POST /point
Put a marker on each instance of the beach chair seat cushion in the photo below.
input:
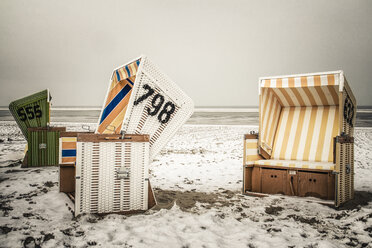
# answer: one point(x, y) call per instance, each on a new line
point(326, 166)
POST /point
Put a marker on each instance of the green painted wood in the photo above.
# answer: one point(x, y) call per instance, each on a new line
point(31, 111)
point(43, 147)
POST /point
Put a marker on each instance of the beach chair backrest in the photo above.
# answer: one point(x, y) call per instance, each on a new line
point(306, 133)
point(31, 111)
point(300, 115)
point(158, 107)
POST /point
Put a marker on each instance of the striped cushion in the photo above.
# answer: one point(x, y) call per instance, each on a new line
point(297, 164)
point(68, 150)
point(306, 133)
point(251, 152)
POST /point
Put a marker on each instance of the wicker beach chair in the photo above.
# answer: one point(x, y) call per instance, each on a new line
point(143, 100)
point(305, 141)
point(107, 172)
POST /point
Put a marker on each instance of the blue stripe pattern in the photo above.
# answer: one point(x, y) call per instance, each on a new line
point(69, 153)
point(127, 69)
point(120, 96)
point(118, 75)
point(130, 81)
point(137, 62)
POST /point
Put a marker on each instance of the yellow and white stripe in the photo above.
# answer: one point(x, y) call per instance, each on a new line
point(297, 164)
point(270, 117)
point(302, 81)
point(318, 90)
point(250, 151)
point(306, 133)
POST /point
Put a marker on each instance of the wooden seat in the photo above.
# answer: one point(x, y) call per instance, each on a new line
point(324, 166)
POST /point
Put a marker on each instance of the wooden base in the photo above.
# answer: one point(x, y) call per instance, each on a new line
point(288, 181)
point(320, 201)
point(67, 178)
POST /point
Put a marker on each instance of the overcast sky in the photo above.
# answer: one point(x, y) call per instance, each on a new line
point(214, 49)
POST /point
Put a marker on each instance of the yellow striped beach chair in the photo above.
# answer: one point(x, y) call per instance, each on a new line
point(305, 141)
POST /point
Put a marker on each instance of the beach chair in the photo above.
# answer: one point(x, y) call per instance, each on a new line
point(32, 115)
point(143, 100)
point(305, 145)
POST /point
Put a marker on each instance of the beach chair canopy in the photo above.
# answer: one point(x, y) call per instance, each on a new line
point(31, 111)
point(117, 98)
point(299, 117)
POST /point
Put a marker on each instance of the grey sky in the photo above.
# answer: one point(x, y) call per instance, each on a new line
point(214, 49)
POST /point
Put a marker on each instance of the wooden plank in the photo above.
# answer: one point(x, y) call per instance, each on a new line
point(247, 178)
point(67, 179)
point(291, 168)
point(273, 181)
point(331, 186)
point(72, 134)
point(151, 197)
point(313, 184)
point(52, 129)
point(251, 136)
point(71, 196)
point(112, 138)
point(263, 153)
point(255, 194)
point(256, 179)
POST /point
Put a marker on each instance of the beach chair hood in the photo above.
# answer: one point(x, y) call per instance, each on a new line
point(31, 111)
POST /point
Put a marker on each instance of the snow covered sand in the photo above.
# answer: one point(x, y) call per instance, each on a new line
point(200, 171)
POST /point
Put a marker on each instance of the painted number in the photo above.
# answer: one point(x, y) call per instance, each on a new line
point(349, 111)
point(157, 104)
point(149, 92)
point(29, 113)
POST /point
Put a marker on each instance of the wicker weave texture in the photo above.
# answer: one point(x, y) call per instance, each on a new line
point(345, 155)
point(138, 119)
point(111, 177)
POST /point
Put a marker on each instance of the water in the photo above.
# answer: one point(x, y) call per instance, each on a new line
point(210, 117)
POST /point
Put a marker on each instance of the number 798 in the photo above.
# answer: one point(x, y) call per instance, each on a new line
point(157, 103)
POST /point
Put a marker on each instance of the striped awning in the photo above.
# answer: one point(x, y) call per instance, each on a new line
point(301, 81)
point(117, 99)
point(312, 90)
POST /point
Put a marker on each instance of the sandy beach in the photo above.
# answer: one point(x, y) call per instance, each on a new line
point(197, 180)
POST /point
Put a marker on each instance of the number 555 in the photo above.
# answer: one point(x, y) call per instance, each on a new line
point(31, 113)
